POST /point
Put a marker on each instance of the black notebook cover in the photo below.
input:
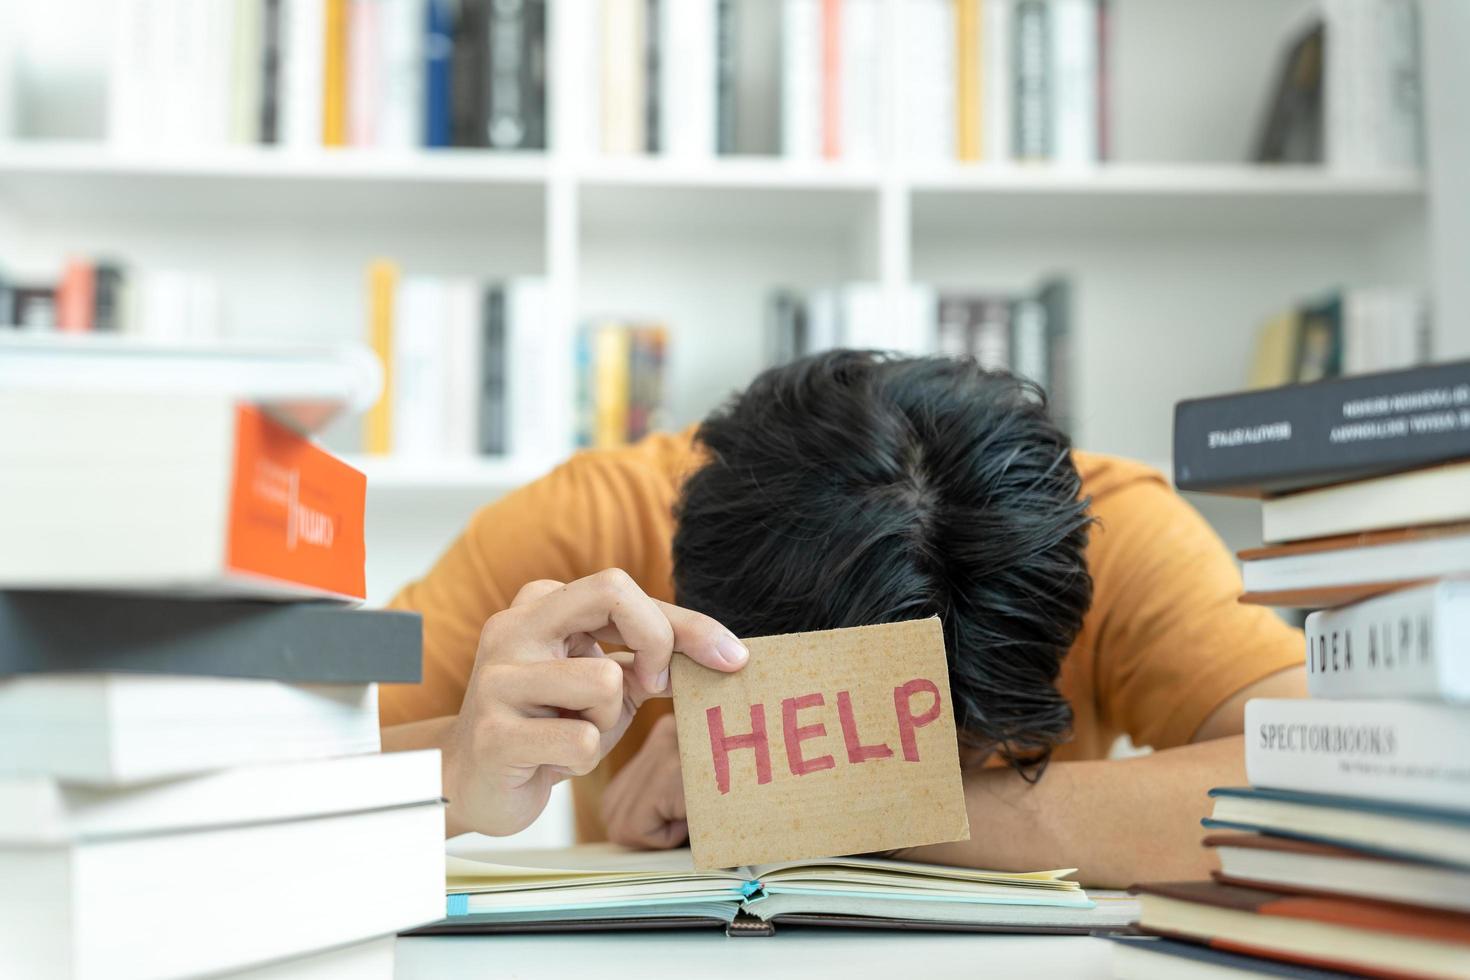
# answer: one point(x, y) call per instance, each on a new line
point(319, 643)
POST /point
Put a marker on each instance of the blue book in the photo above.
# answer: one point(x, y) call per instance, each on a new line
point(438, 45)
point(1429, 835)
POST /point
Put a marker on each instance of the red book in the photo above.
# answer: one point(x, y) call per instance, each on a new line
point(76, 297)
point(832, 79)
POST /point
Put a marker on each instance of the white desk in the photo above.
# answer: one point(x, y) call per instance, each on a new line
point(805, 953)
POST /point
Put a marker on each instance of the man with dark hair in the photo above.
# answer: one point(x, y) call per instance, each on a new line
point(1081, 600)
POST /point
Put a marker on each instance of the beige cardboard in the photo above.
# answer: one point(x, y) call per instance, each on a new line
point(904, 790)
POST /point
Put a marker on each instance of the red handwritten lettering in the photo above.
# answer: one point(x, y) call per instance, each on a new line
point(856, 750)
point(795, 735)
point(908, 722)
point(721, 745)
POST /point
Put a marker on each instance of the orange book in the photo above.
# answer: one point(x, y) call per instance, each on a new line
point(832, 79)
point(968, 97)
point(334, 75)
point(296, 511)
point(76, 297)
point(377, 429)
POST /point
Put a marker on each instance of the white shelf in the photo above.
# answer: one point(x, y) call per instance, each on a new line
point(488, 475)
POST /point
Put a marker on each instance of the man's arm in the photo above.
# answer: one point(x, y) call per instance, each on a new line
point(1118, 821)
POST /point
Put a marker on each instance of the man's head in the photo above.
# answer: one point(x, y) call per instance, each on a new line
point(851, 488)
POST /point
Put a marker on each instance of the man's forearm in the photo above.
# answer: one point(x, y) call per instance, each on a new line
point(431, 733)
point(1118, 821)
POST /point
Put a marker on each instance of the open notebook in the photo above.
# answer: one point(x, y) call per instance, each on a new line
point(601, 886)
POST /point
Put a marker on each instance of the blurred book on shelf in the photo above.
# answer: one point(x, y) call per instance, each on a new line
point(620, 382)
point(1028, 334)
point(1344, 332)
point(1348, 92)
point(305, 73)
point(471, 368)
point(103, 295)
point(991, 80)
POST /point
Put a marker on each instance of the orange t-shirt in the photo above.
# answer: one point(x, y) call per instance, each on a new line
point(1163, 645)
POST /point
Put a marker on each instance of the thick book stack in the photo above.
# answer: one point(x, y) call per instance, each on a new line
point(1346, 331)
point(1348, 92)
point(1027, 334)
point(102, 295)
point(304, 73)
point(1351, 848)
point(191, 782)
point(473, 368)
point(992, 80)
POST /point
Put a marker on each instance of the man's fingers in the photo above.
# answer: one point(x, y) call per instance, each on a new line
point(611, 599)
point(532, 591)
point(569, 743)
point(703, 640)
point(590, 685)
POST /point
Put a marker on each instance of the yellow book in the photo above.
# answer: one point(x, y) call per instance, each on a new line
point(1275, 358)
point(967, 78)
point(377, 429)
point(334, 75)
point(611, 348)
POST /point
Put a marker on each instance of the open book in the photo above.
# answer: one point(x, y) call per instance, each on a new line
point(601, 886)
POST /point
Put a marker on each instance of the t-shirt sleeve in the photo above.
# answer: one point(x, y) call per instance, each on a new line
point(578, 519)
point(1172, 642)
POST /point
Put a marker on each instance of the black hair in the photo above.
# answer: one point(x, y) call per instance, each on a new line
point(852, 487)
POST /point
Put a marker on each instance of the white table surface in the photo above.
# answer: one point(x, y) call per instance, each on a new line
point(805, 953)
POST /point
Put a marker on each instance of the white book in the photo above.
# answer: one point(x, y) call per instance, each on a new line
point(1436, 495)
point(824, 320)
point(801, 79)
point(364, 71)
point(1074, 81)
point(863, 324)
point(303, 386)
point(123, 729)
point(303, 55)
point(181, 905)
point(538, 376)
point(1399, 85)
point(401, 118)
point(129, 77)
point(929, 71)
point(158, 492)
point(463, 358)
point(1396, 751)
point(997, 78)
point(861, 72)
point(246, 70)
point(624, 77)
point(688, 79)
point(1409, 644)
point(373, 959)
point(419, 367)
point(1409, 560)
point(41, 810)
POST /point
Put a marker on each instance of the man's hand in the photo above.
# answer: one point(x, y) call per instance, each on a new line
point(643, 806)
point(544, 701)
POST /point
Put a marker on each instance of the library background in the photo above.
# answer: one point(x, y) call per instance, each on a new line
point(569, 222)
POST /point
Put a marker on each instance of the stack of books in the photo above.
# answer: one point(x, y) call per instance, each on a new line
point(191, 781)
point(1351, 848)
point(1345, 331)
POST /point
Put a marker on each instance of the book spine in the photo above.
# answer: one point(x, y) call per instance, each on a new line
point(610, 385)
point(1032, 85)
point(505, 97)
point(493, 372)
point(420, 339)
point(303, 53)
point(623, 75)
point(1396, 751)
point(534, 364)
point(76, 297)
point(968, 89)
point(653, 69)
point(378, 423)
point(832, 69)
point(801, 79)
point(246, 76)
point(929, 45)
point(1055, 298)
point(1073, 62)
point(335, 74)
point(533, 75)
point(438, 46)
point(1409, 644)
point(999, 80)
point(1262, 442)
point(296, 511)
point(468, 68)
point(462, 368)
point(272, 27)
point(1400, 85)
point(107, 308)
point(401, 120)
point(690, 79)
point(1102, 85)
point(861, 36)
point(365, 72)
point(726, 117)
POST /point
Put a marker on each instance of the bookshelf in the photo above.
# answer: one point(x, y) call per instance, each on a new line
point(1177, 250)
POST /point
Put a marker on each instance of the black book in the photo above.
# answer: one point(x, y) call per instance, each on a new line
point(533, 75)
point(1055, 298)
point(725, 106)
point(467, 79)
point(493, 349)
point(1293, 129)
point(107, 298)
point(302, 642)
point(1270, 441)
point(270, 73)
point(1032, 93)
point(515, 75)
point(652, 71)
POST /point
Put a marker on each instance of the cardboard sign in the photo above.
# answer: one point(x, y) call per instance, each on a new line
point(826, 744)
